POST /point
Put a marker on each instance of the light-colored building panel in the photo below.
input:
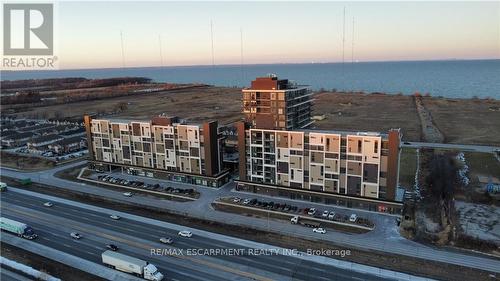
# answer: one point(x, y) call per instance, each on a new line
point(370, 190)
point(354, 144)
point(371, 149)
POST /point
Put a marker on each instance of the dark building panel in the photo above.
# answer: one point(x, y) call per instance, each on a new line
point(86, 120)
point(210, 136)
point(393, 164)
point(353, 185)
point(240, 128)
point(370, 172)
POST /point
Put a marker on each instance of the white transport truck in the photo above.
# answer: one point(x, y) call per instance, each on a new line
point(21, 229)
point(131, 265)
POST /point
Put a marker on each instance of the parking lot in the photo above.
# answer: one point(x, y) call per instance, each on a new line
point(325, 214)
point(157, 187)
point(50, 155)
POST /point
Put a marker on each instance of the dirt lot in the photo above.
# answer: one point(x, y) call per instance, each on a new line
point(43, 264)
point(410, 265)
point(369, 112)
point(195, 104)
point(466, 121)
point(469, 121)
point(25, 162)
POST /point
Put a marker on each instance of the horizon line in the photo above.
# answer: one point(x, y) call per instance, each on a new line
point(248, 64)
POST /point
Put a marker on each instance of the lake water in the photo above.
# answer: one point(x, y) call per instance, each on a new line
point(454, 78)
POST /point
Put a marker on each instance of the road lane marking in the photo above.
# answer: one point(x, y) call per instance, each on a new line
point(148, 248)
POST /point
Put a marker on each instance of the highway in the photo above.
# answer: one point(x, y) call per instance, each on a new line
point(385, 237)
point(53, 225)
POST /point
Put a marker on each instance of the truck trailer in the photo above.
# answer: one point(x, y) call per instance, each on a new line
point(131, 265)
point(21, 229)
point(305, 222)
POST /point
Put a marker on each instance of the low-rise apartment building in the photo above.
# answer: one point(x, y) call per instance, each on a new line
point(162, 147)
point(331, 166)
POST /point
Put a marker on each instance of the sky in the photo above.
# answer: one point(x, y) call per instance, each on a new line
point(88, 33)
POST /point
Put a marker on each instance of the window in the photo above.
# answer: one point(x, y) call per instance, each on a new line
point(375, 147)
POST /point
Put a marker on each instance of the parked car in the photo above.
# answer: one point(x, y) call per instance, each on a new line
point(253, 202)
point(75, 235)
point(115, 217)
point(246, 201)
point(331, 216)
point(128, 194)
point(325, 214)
point(112, 247)
point(353, 218)
point(236, 199)
point(48, 204)
point(311, 212)
point(167, 240)
point(287, 208)
point(319, 230)
point(185, 233)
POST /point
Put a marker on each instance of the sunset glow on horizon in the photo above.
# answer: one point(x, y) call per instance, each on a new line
point(272, 32)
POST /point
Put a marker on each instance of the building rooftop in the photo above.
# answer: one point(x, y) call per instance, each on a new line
point(45, 138)
point(339, 132)
point(70, 140)
point(79, 130)
point(158, 120)
point(15, 135)
point(271, 82)
point(37, 127)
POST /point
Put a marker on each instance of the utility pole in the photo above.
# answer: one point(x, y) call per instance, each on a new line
point(123, 52)
point(212, 39)
point(161, 54)
point(352, 46)
point(343, 51)
point(241, 54)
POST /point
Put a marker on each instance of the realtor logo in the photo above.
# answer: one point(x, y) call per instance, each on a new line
point(28, 29)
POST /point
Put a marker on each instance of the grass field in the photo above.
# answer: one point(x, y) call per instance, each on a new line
point(25, 162)
point(195, 104)
point(408, 167)
point(482, 164)
point(468, 121)
point(369, 112)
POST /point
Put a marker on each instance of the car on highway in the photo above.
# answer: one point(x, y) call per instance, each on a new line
point(48, 204)
point(311, 211)
point(115, 217)
point(246, 201)
point(128, 194)
point(319, 230)
point(331, 215)
point(325, 214)
point(112, 247)
point(185, 233)
point(353, 218)
point(166, 240)
point(75, 235)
